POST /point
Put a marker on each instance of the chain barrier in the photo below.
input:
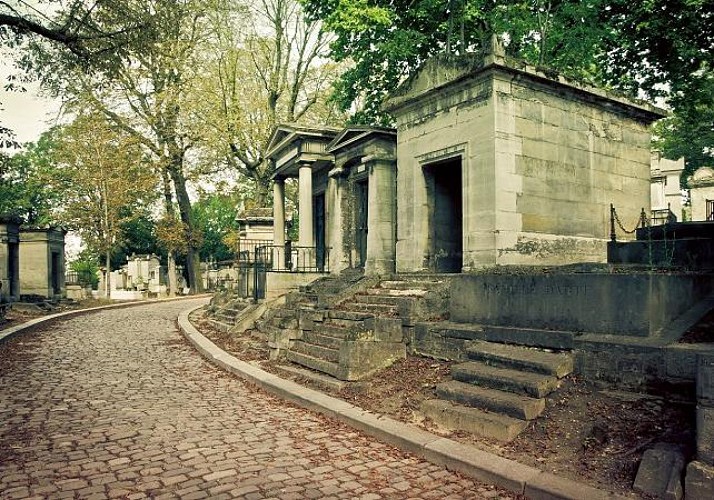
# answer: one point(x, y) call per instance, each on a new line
point(645, 223)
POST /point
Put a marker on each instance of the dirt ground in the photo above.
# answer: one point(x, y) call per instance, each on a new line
point(585, 434)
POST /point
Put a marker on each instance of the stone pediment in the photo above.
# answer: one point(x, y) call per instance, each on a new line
point(353, 135)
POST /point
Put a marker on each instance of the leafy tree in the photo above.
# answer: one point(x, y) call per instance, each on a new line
point(29, 182)
point(265, 68)
point(107, 179)
point(656, 48)
point(143, 92)
point(86, 265)
point(215, 214)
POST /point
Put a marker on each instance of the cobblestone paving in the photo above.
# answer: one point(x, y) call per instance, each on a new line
point(115, 404)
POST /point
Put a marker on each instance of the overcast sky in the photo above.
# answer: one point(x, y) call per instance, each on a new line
point(26, 113)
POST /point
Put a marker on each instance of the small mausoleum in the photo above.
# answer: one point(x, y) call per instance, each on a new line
point(41, 260)
point(502, 164)
point(347, 195)
point(9, 259)
point(701, 190)
point(665, 191)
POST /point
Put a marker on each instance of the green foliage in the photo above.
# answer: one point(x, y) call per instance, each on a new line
point(652, 49)
point(86, 266)
point(139, 237)
point(215, 215)
point(30, 184)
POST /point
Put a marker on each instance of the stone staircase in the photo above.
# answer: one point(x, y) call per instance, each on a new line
point(364, 332)
point(224, 310)
point(503, 379)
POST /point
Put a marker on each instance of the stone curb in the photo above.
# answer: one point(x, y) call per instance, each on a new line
point(9, 332)
point(468, 460)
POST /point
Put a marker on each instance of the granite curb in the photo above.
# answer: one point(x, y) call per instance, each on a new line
point(525, 480)
point(9, 332)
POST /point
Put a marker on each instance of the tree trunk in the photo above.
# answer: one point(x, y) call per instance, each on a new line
point(107, 284)
point(171, 274)
point(193, 260)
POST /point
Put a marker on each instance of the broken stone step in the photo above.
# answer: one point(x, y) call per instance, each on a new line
point(508, 403)
point(339, 330)
point(220, 325)
point(271, 330)
point(521, 358)
point(316, 351)
point(397, 292)
point(550, 339)
point(375, 309)
point(414, 284)
point(463, 418)
point(378, 299)
point(316, 364)
point(527, 383)
point(317, 338)
point(348, 315)
point(284, 313)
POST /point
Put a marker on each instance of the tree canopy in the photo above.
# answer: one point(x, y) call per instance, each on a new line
point(654, 49)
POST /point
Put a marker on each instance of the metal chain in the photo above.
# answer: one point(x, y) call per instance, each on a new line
point(617, 219)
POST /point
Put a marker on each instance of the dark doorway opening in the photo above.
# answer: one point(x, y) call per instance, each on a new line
point(55, 273)
point(12, 269)
point(362, 202)
point(445, 198)
point(319, 221)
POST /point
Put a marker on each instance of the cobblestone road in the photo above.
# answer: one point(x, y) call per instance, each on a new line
point(115, 404)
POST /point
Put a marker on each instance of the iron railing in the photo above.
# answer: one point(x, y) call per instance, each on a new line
point(656, 218)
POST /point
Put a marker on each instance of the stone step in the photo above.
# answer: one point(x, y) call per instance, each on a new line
point(522, 358)
point(550, 339)
point(316, 364)
point(341, 314)
point(507, 403)
point(504, 379)
point(481, 423)
point(374, 309)
point(317, 338)
point(339, 331)
point(316, 351)
point(389, 300)
point(397, 292)
point(412, 283)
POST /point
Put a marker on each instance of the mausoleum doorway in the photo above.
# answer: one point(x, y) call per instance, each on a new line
point(361, 213)
point(445, 201)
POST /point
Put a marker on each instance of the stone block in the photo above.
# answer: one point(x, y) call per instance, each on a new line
point(705, 434)
point(385, 329)
point(660, 473)
point(699, 481)
point(705, 380)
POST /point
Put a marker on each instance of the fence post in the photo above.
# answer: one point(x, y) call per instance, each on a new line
point(613, 235)
point(288, 255)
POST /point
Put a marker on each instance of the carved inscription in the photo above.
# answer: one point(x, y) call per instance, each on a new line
point(560, 289)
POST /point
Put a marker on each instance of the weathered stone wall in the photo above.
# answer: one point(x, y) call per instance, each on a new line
point(36, 262)
point(561, 160)
point(542, 159)
point(456, 124)
point(617, 304)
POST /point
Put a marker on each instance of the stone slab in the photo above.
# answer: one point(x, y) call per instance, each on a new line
point(699, 481)
point(660, 473)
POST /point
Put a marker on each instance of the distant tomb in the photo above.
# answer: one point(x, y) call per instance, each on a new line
point(9, 259)
point(41, 263)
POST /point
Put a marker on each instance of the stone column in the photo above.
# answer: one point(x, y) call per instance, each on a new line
point(279, 223)
point(335, 226)
point(305, 234)
point(381, 217)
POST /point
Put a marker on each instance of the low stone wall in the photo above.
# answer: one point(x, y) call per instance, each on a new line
point(630, 304)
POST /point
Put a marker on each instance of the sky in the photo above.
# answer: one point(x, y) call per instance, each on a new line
point(28, 114)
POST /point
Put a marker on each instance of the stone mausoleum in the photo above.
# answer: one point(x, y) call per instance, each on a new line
point(9, 259)
point(493, 162)
point(41, 262)
point(500, 163)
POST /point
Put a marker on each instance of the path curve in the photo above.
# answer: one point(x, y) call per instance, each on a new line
point(116, 404)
